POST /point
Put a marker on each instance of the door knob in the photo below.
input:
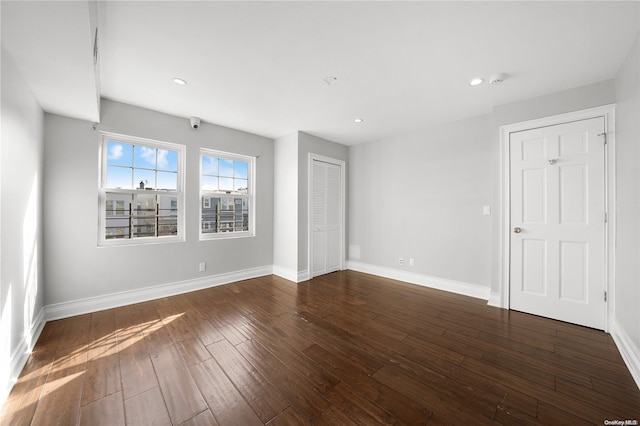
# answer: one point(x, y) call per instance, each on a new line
point(517, 230)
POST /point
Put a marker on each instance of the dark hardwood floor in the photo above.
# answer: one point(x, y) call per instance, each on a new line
point(345, 348)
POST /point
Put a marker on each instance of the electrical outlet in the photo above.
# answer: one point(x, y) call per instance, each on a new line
point(412, 262)
point(401, 261)
point(203, 266)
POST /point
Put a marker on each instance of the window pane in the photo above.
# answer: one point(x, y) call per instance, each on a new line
point(167, 160)
point(167, 215)
point(240, 185)
point(245, 214)
point(167, 180)
point(145, 205)
point(237, 214)
point(119, 177)
point(167, 205)
point(226, 167)
point(210, 208)
point(117, 211)
point(241, 169)
point(209, 165)
point(147, 177)
point(226, 204)
point(144, 157)
point(118, 204)
point(144, 216)
point(209, 183)
point(144, 227)
point(118, 154)
point(117, 227)
point(226, 184)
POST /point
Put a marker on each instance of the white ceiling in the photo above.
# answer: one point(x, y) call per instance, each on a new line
point(259, 66)
point(52, 44)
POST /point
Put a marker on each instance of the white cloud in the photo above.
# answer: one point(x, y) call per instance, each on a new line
point(210, 165)
point(162, 158)
point(148, 154)
point(116, 152)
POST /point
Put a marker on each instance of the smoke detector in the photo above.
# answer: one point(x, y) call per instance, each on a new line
point(329, 80)
point(497, 78)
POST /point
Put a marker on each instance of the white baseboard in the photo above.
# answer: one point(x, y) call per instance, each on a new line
point(466, 289)
point(495, 299)
point(290, 274)
point(114, 300)
point(629, 351)
point(21, 354)
point(286, 273)
point(303, 276)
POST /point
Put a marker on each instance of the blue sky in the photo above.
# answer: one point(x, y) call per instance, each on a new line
point(127, 165)
point(220, 174)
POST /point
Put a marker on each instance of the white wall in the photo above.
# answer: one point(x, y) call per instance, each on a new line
point(420, 195)
point(21, 286)
point(285, 228)
point(76, 268)
point(576, 99)
point(627, 268)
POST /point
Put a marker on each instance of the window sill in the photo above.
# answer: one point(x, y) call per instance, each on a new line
point(226, 236)
point(139, 241)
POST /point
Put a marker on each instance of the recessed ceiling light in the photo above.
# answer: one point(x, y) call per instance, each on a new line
point(179, 81)
point(358, 120)
point(476, 81)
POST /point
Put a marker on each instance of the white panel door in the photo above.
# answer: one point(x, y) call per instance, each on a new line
point(326, 217)
point(557, 178)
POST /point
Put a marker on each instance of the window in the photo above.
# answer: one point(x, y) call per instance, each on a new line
point(141, 191)
point(227, 195)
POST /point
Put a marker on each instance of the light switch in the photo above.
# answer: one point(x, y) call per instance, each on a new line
point(486, 210)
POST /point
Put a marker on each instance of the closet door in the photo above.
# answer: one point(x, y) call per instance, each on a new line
point(326, 217)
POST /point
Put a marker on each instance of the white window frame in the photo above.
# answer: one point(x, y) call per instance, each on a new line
point(179, 192)
point(250, 196)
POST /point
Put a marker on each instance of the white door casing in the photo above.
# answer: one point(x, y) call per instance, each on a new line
point(557, 180)
point(326, 215)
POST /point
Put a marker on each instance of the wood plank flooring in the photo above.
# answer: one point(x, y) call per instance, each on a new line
point(343, 349)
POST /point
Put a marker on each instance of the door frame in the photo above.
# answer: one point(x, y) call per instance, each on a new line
point(342, 164)
point(608, 113)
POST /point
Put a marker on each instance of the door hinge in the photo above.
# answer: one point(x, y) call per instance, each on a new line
point(606, 217)
point(605, 296)
point(605, 137)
